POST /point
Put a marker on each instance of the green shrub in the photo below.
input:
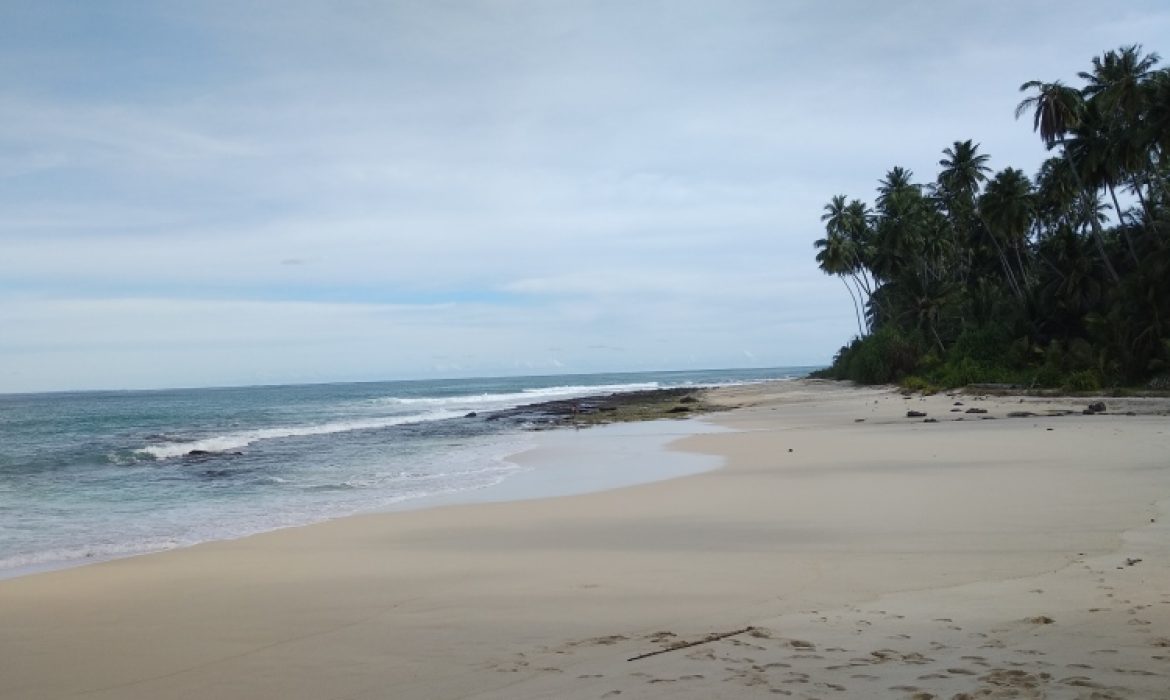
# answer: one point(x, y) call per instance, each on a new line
point(1084, 380)
point(917, 383)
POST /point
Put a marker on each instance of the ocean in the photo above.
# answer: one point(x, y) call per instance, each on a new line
point(90, 476)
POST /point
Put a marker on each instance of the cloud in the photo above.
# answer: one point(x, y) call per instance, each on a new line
point(474, 180)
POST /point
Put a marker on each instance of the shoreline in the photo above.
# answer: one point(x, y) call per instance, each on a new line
point(601, 410)
point(812, 511)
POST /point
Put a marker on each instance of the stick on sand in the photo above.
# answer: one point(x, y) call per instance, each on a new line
point(683, 645)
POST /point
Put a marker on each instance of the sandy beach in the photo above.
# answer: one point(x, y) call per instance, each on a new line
point(841, 550)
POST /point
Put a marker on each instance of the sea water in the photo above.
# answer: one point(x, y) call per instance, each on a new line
point(96, 475)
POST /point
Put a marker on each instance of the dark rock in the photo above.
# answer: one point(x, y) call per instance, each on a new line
point(679, 409)
point(958, 403)
point(956, 410)
point(1096, 407)
point(688, 399)
point(858, 420)
point(606, 408)
point(1020, 414)
point(473, 414)
point(976, 410)
point(930, 420)
point(915, 414)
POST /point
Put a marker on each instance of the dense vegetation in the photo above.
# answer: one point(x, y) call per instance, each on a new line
point(1057, 280)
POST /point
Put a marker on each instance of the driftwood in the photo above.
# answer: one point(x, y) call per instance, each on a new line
point(686, 645)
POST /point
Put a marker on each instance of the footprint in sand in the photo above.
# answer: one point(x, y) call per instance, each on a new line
point(592, 675)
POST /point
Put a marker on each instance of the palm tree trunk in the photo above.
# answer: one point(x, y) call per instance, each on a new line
point(1098, 235)
point(1121, 221)
point(1023, 271)
point(856, 309)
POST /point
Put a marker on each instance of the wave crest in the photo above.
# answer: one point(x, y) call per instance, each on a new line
point(244, 438)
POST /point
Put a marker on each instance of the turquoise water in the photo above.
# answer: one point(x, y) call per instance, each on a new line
point(98, 475)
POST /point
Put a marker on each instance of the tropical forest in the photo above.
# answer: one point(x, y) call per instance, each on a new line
point(1053, 279)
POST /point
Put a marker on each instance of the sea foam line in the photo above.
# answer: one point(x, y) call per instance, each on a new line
point(244, 438)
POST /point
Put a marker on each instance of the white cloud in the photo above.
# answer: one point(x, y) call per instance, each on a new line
point(570, 175)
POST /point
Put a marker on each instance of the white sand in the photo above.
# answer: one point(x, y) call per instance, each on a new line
point(887, 558)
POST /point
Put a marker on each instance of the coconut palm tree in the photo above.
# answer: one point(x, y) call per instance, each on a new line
point(834, 254)
point(1057, 110)
point(1008, 208)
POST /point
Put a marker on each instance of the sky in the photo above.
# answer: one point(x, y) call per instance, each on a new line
point(232, 193)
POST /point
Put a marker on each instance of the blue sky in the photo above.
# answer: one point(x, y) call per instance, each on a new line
point(235, 193)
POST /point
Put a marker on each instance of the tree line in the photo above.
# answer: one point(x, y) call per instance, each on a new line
point(1059, 279)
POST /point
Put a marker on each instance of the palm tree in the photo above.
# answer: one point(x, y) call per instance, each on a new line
point(1119, 85)
point(964, 170)
point(833, 251)
point(1057, 110)
point(1008, 208)
point(1117, 79)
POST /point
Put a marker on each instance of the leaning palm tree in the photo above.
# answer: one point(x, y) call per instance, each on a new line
point(1008, 208)
point(833, 251)
point(1058, 109)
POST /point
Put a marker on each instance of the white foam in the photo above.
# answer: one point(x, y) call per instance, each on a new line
point(241, 439)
